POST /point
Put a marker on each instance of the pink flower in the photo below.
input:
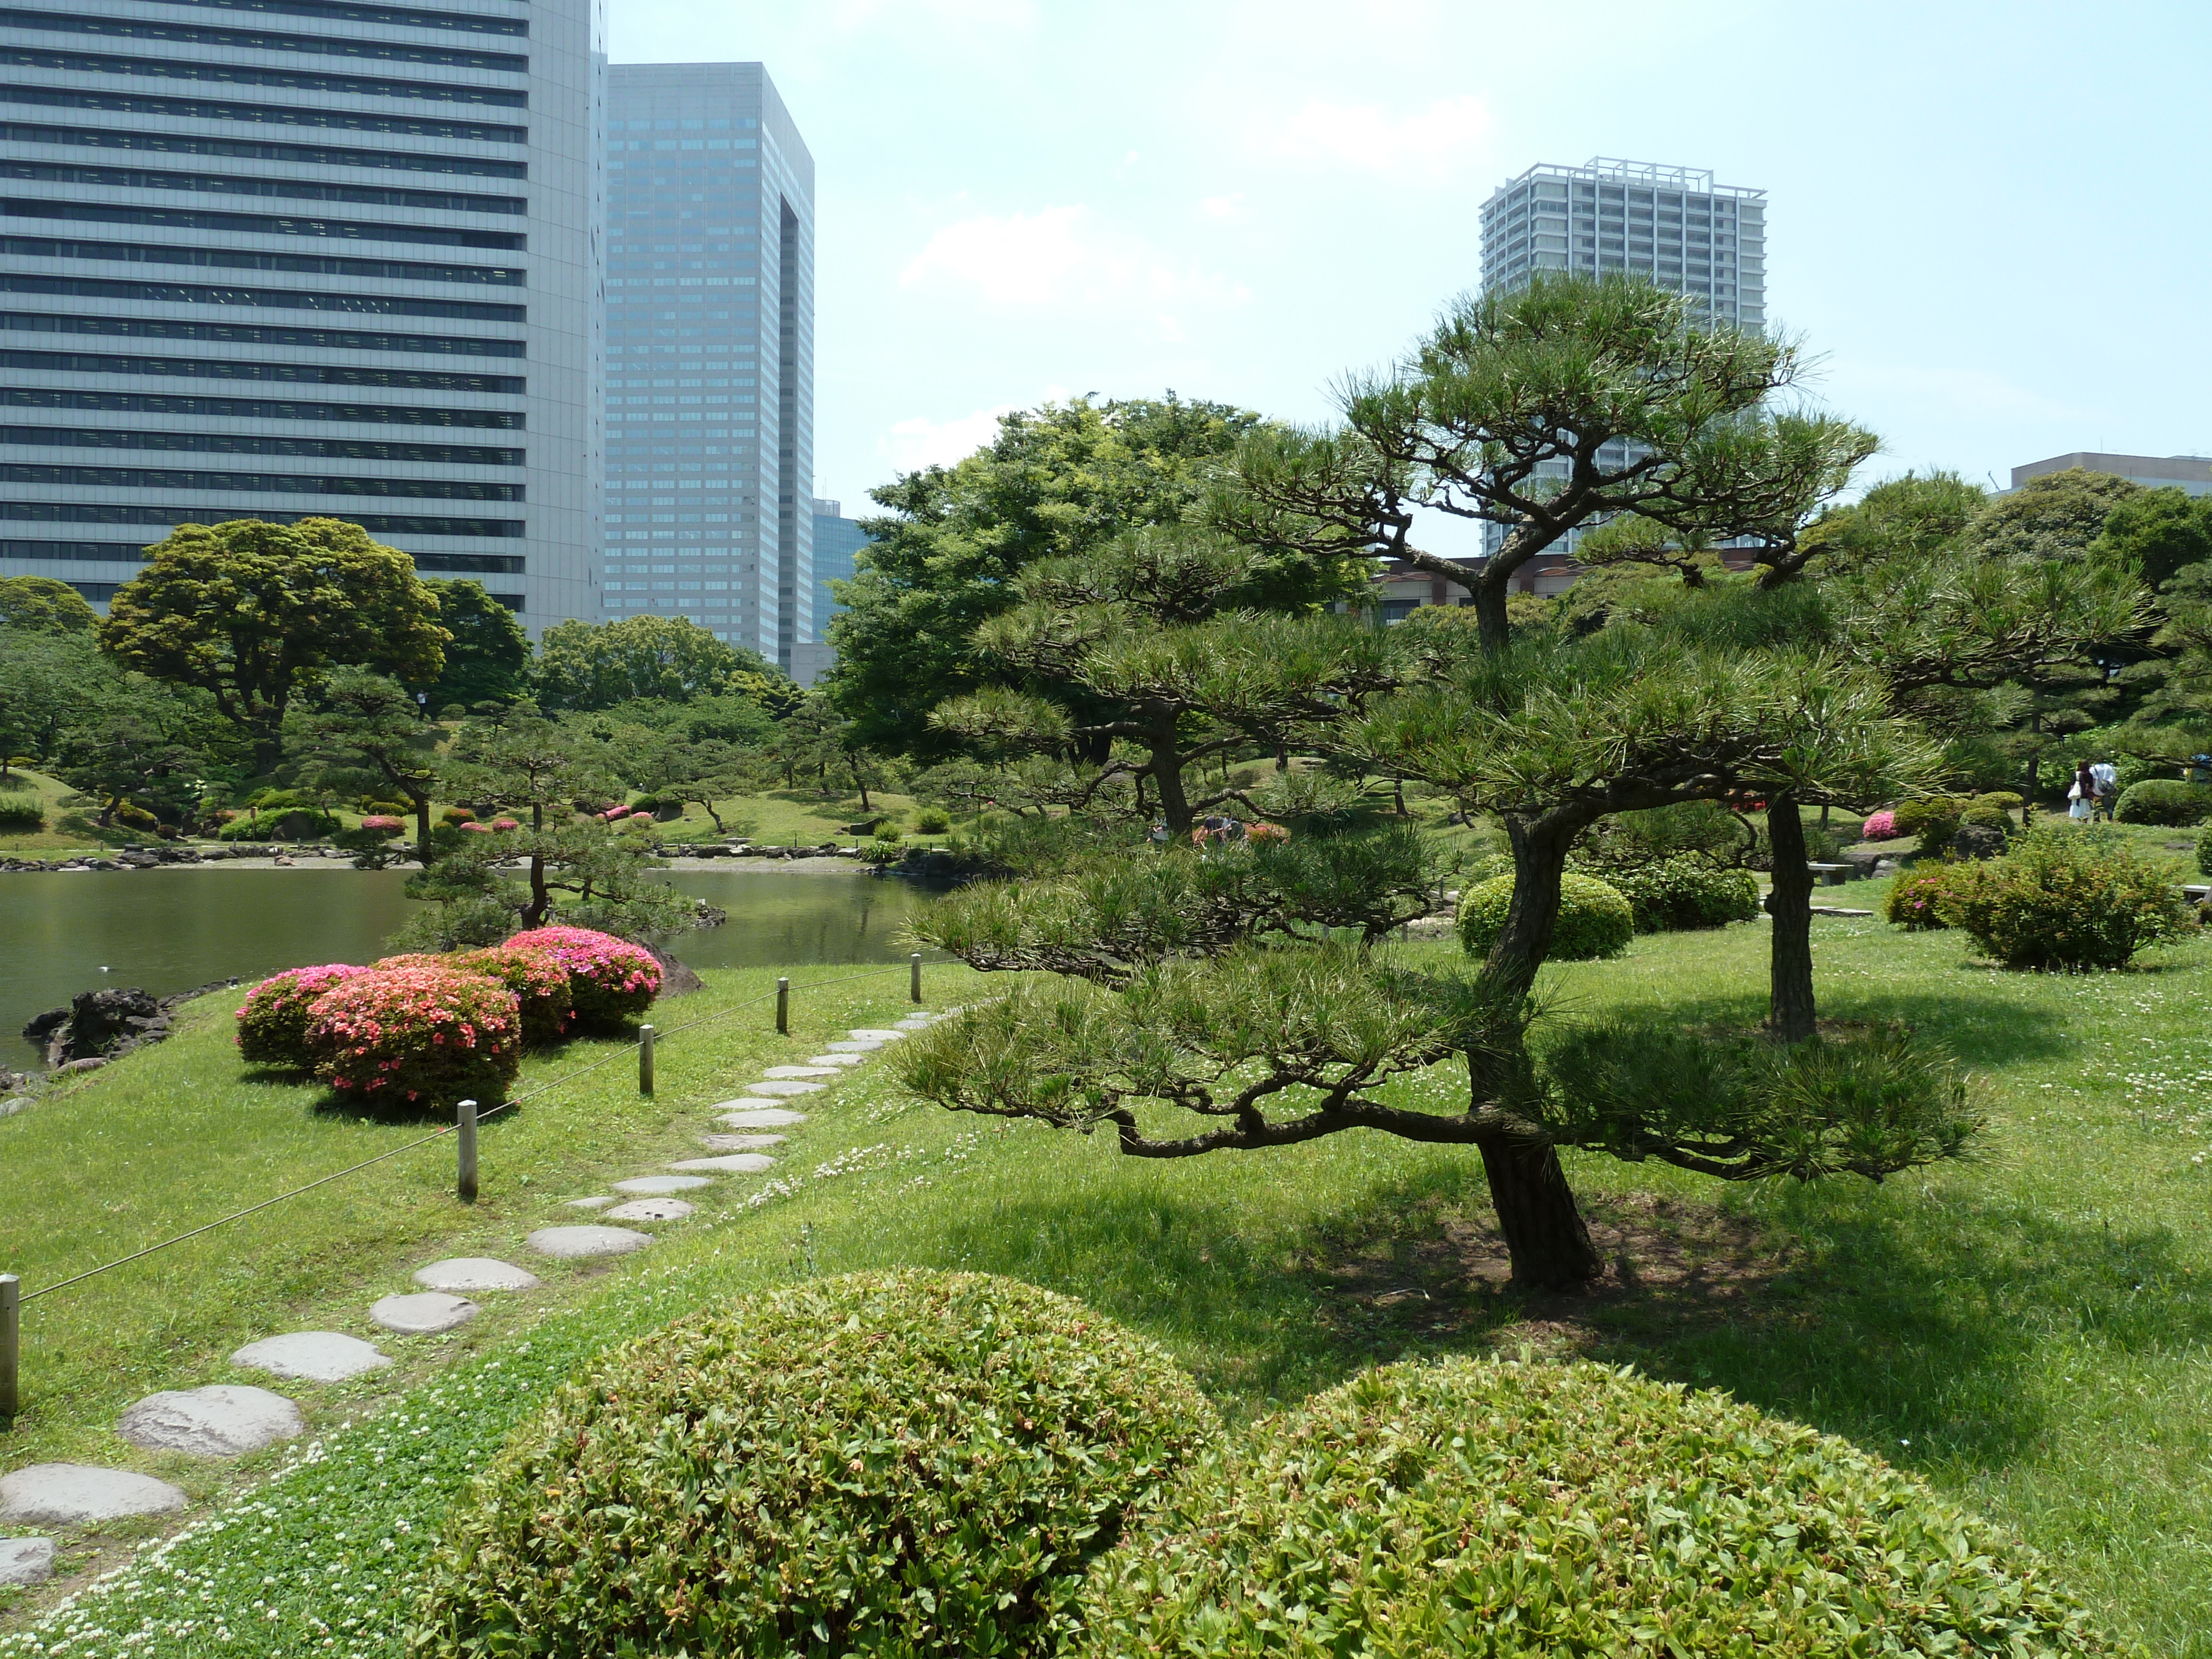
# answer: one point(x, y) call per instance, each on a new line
point(379, 821)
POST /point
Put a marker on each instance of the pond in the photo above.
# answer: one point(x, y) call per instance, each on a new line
point(169, 930)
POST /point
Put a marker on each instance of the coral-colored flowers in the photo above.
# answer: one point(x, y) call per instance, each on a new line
point(383, 821)
point(611, 980)
point(418, 1033)
point(272, 1022)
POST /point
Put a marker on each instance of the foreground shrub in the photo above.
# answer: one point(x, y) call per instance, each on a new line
point(2165, 801)
point(1882, 826)
point(1913, 904)
point(1676, 895)
point(1506, 1509)
point(2067, 896)
point(610, 981)
point(1595, 919)
point(539, 980)
point(18, 816)
point(913, 1463)
point(1935, 820)
point(272, 1021)
point(418, 1034)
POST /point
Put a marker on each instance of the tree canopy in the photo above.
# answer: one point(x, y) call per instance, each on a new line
point(39, 604)
point(488, 656)
point(594, 666)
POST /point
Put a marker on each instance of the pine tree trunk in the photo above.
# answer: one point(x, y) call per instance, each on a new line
point(422, 831)
point(1546, 1240)
point(1167, 777)
point(1791, 1013)
point(1492, 626)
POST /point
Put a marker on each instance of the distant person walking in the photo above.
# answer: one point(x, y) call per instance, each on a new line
point(2081, 799)
point(2107, 777)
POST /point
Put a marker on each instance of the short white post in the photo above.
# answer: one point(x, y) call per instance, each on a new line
point(11, 1343)
point(645, 1060)
point(914, 976)
point(464, 1116)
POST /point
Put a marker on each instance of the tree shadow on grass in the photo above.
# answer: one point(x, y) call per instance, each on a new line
point(1882, 1322)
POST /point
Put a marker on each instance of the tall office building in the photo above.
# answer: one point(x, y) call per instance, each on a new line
point(1673, 225)
point(287, 259)
point(710, 355)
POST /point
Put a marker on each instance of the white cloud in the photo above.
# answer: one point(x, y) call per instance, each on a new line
point(913, 444)
point(1232, 206)
point(1433, 141)
point(1020, 259)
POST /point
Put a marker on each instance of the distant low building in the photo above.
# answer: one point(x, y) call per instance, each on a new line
point(2191, 473)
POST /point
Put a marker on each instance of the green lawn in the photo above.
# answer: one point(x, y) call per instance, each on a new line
point(2031, 1330)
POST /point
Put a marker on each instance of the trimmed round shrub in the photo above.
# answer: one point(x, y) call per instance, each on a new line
point(610, 981)
point(539, 980)
point(2067, 897)
point(272, 1021)
point(2165, 801)
point(1914, 901)
point(1595, 919)
point(384, 822)
point(1679, 894)
point(911, 1463)
point(1986, 812)
point(419, 1035)
point(455, 815)
point(280, 823)
point(1881, 826)
point(1934, 820)
point(22, 817)
point(932, 821)
point(1488, 1508)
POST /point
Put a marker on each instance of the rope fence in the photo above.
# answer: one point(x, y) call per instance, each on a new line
point(13, 1297)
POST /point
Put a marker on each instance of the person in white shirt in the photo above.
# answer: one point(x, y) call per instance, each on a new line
point(2107, 778)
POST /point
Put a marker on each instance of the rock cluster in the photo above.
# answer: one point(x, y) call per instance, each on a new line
point(98, 1026)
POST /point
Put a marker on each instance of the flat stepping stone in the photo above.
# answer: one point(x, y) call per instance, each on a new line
point(876, 1034)
point(652, 1209)
point(764, 1115)
point(854, 1048)
point(26, 1560)
point(660, 1186)
point(475, 1272)
point(787, 1091)
point(835, 1060)
point(739, 1143)
point(67, 1494)
point(598, 1203)
point(736, 1163)
point(225, 1420)
point(800, 1070)
point(576, 1244)
point(312, 1356)
point(915, 1022)
point(424, 1313)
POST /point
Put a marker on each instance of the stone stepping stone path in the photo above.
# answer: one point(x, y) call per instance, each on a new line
point(739, 1143)
point(835, 1060)
point(785, 1071)
point(425, 1314)
point(225, 1420)
point(885, 1034)
point(26, 1560)
point(476, 1273)
point(598, 1203)
point(734, 1163)
point(759, 1115)
point(580, 1243)
point(312, 1356)
point(661, 1185)
point(787, 1091)
point(854, 1048)
point(652, 1209)
point(69, 1494)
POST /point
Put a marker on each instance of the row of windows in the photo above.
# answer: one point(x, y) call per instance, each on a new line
point(259, 224)
point(293, 115)
point(185, 69)
point(75, 552)
point(230, 443)
point(377, 524)
point(381, 305)
point(417, 379)
point(437, 201)
point(255, 150)
point(235, 258)
point(337, 339)
point(257, 409)
point(140, 28)
point(274, 483)
point(343, 11)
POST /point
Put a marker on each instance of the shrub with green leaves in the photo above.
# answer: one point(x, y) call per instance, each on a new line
point(2067, 896)
point(932, 821)
point(1595, 919)
point(281, 823)
point(2204, 852)
point(1509, 1509)
point(1679, 893)
point(910, 1463)
point(1987, 812)
point(1934, 819)
point(2165, 801)
point(1914, 901)
point(22, 816)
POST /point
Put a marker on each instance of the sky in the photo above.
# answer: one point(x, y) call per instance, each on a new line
point(1987, 219)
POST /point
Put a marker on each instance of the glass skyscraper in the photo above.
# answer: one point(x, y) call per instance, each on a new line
point(283, 259)
point(710, 356)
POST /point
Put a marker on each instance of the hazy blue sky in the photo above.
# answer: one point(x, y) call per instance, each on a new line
point(1989, 219)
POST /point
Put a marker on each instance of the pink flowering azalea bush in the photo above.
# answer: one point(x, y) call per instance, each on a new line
point(477, 829)
point(384, 822)
point(539, 980)
point(506, 823)
point(272, 1023)
point(1915, 900)
point(415, 1033)
point(1882, 826)
point(612, 980)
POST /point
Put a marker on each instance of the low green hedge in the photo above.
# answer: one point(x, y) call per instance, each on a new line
point(1679, 893)
point(1531, 1510)
point(281, 823)
point(1595, 919)
point(2165, 801)
point(22, 816)
point(913, 1463)
point(2067, 896)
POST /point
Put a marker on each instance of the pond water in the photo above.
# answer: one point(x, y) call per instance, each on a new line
point(169, 930)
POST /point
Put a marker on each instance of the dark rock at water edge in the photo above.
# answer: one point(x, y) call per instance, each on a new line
point(98, 1026)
